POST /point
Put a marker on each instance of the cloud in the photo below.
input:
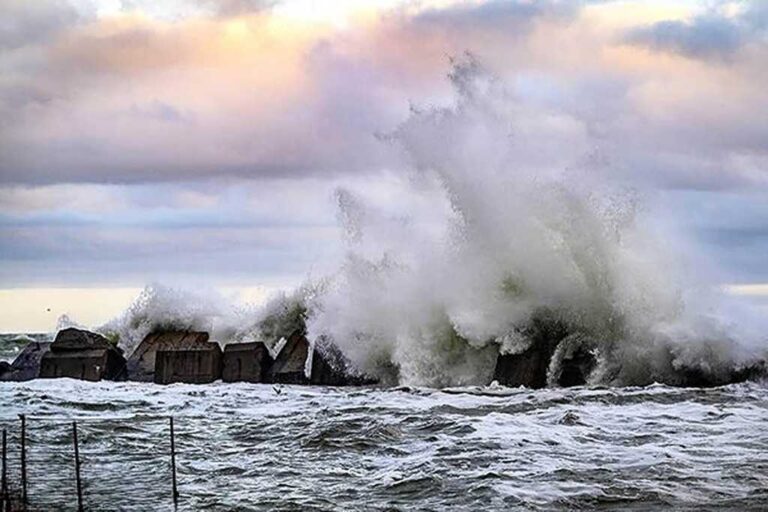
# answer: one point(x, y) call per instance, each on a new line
point(714, 34)
point(23, 22)
point(123, 130)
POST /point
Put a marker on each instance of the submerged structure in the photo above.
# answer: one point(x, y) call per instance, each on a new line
point(84, 355)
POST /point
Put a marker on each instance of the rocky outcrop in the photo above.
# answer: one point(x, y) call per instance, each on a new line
point(199, 364)
point(246, 362)
point(84, 355)
point(26, 366)
point(141, 363)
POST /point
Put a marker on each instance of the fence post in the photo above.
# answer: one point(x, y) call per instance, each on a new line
point(173, 468)
point(4, 499)
point(77, 469)
point(23, 462)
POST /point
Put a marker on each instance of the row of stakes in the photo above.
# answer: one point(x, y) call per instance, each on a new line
point(5, 495)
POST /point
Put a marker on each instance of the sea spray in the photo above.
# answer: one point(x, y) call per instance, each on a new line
point(163, 308)
point(520, 226)
point(531, 230)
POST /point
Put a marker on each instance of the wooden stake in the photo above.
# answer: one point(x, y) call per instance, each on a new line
point(173, 468)
point(23, 462)
point(77, 469)
point(4, 500)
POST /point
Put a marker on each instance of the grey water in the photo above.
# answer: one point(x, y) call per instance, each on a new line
point(260, 447)
point(263, 447)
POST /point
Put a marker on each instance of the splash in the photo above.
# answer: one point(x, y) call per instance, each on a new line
point(527, 228)
point(521, 226)
point(164, 308)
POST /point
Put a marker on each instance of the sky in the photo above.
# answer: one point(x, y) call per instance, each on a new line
point(199, 143)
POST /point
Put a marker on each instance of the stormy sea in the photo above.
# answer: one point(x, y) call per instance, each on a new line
point(521, 247)
point(268, 447)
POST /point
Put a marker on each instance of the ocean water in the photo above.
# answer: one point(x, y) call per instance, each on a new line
point(263, 447)
point(12, 344)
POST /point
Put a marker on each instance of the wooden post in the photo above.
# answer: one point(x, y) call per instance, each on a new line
point(4, 500)
point(173, 468)
point(23, 462)
point(77, 469)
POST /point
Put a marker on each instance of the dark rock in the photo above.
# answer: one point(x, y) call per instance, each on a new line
point(5, 367)
point(141, 364)
point(26, 366)
point(200, 364)
point(84, 355)
point(245, 362)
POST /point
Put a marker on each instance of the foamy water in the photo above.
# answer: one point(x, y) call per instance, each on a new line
point(250, 447)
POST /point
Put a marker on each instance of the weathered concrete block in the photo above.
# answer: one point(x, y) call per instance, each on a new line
point(575, 369)
point(198, 365)
point(327, 367)
point(26, 366)
point(141, 364)
point(245, 362)
point(290, 363)
point(79, 339)
point(80, 354)
point(529, 368)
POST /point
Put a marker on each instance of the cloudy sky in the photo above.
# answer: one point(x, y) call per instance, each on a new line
point(199, 142)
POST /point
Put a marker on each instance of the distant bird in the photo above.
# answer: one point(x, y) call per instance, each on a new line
point(277, 389)
point(48, 310)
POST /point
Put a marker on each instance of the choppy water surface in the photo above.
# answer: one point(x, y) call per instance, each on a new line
point(11, 345)
point(250, 447)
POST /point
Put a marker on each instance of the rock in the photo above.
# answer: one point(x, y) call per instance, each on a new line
point(84, 355)
point(26, 366)
point(199, 364)
point(141, 364)
point(245, 362)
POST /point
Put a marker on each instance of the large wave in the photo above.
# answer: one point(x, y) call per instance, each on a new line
point(533, 227)
point(521, 224)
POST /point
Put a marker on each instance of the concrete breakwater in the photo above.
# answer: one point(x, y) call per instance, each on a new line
point(183, 356)
point(552, 359)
